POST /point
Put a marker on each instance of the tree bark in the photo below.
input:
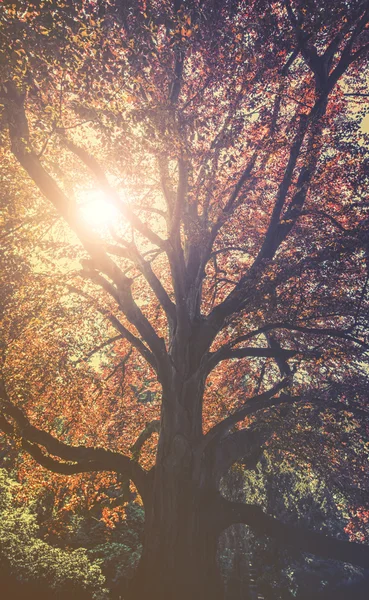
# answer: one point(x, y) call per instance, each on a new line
point(179, 557)
point(181, 533)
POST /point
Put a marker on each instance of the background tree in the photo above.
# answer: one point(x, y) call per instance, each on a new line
point(228, 269)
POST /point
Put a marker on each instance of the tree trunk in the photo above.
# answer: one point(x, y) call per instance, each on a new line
point(179, 557)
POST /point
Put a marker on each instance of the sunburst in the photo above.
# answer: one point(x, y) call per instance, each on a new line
point(97, 209)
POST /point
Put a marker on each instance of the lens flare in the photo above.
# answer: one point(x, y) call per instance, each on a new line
point(97, 209)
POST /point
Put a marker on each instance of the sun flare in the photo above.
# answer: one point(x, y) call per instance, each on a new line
point(97, 209)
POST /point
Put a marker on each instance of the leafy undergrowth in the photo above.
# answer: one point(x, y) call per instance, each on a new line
point(31, 567)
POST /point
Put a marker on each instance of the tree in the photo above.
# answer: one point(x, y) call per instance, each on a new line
point(226, 135)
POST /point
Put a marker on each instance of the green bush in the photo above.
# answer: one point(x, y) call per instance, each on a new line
point(28, 563)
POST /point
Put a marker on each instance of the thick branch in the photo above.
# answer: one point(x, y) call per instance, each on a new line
point(57, 466)
point(278, 232)
point(319, 65)
point(177, 79)
point(248, 444)
point(242, 445)
point(227, 353)
point(280, 358)
point(251, 405)
point(300, 538)
point(84, 458)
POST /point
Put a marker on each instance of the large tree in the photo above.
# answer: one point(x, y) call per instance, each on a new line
point(226, 137)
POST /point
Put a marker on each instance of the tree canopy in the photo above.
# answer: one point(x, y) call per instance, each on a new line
point(186, 254)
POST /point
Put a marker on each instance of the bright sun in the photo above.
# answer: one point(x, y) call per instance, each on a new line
point(97, 210)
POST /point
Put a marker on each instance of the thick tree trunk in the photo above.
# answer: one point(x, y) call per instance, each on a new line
point(179, 557)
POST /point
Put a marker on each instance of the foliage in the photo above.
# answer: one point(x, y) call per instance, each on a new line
point(301, 485)
point(297, 494)
point(28, 559)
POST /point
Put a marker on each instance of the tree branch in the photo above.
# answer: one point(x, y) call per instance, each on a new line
point(94, 166)
point(278, 229)
point(298, 537)
point(231, 203)
point(346, 57)
point(57, 466)
point(244, 444)
point(84, 458)
point(247, 443)
point(326, 331)
point(177, 79)
point(145, 267)
point(152, 427)
point(251, 405)
point(21, 147)
point(226, 353)
point(99, 347)
point(130, 337)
